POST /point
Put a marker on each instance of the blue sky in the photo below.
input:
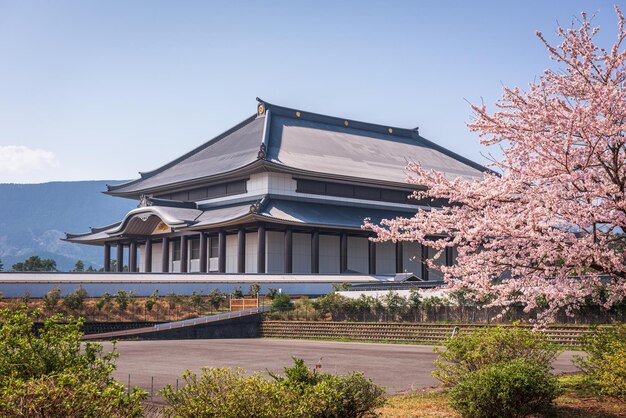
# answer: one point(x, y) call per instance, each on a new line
point(104, 89)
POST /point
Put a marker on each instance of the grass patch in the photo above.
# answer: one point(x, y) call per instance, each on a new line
point(431, 403)
point(577, 401)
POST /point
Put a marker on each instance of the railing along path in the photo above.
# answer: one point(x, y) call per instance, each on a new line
point(179, 324)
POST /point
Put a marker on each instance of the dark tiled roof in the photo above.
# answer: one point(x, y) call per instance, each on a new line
point(320, 214)
point(228, 152)
point(305, 142)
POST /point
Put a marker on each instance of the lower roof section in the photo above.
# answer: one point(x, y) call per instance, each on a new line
point(324, 215)
point(158, 221)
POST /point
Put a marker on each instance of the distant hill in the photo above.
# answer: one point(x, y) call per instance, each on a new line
point(33, 218)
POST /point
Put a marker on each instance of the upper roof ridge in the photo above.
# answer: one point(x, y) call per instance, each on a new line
point(335, 120)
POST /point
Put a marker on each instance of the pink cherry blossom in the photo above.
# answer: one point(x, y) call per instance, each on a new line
point(548, 231)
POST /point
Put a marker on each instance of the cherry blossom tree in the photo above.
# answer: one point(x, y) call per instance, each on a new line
point(548, 230)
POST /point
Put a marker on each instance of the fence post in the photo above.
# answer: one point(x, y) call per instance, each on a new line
point(128, 389)
point(151, 388)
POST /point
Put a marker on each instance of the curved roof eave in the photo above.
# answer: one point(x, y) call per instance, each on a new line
point(168, 219)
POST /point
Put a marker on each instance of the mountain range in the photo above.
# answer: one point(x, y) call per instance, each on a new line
point(34, 218)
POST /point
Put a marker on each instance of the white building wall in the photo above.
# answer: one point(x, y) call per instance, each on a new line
point(302, 253)
point(252, 245)
point(257, 184)
point(385, 257)
point(412, 258)
point(140, 256)
point(157, 251)
point(358, 254)
point(231, 253)
point(275, 252)
point(280, 183)
point(329, 254)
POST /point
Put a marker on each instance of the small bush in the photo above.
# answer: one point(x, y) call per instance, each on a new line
point(516, 388)
point(224, 393)
point(605, 363)
point(74, 300)
point(228, 393)
point(51, 299)
point(52, 373)
point(467, 353)
point(282, 302)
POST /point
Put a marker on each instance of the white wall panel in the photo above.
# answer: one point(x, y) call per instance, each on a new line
point(301, 253)
point(275, 252)
point(385, 257)
point(358, 254)
point(140, 256)
point(252, 245)
point(231, 253)
point(157, 251)
point(329, 254)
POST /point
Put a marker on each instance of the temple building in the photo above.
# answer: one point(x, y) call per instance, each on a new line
point(283, 192)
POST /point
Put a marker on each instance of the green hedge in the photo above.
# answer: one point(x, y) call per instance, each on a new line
point(302, 393)
point(516, 388)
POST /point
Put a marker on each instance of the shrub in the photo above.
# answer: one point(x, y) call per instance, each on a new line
point(271, 293)
point(152, 300)
point(516, 388)
point(123, 298)
point(467, 353)
point(282, 302)
point(217, 298)
point(331, 396)
point(229, 393)
point(237, 293)
point(74, 300)
point(255, 289)
point(605, 363)
point(49, 374)
point(52, 298)
point(173, 299)
point(104, 300)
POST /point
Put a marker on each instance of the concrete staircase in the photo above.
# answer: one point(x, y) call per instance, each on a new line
point(566, 335)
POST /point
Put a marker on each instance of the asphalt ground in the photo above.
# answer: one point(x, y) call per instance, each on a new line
point(399, 368)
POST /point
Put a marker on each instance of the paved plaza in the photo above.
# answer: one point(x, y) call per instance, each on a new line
point(397, 367)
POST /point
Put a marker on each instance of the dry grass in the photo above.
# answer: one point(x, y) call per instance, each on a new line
point(136, 311)
point(430, 403)
point(577, 401)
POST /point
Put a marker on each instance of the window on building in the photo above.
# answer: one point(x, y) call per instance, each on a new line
point(209, 192)
point(352, 191)
point(339, 190)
